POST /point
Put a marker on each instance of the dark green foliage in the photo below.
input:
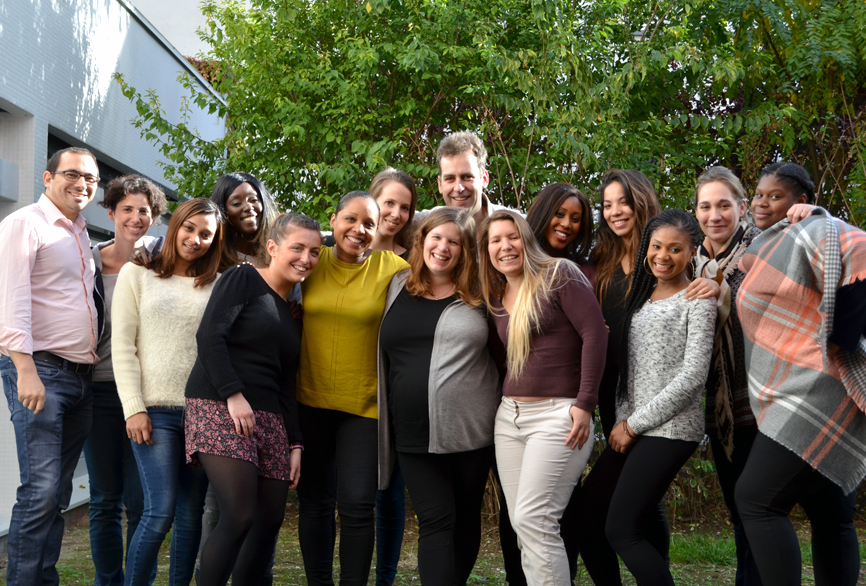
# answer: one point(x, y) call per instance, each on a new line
point(321, 95)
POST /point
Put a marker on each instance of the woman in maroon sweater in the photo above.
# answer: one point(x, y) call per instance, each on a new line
point(547, 317)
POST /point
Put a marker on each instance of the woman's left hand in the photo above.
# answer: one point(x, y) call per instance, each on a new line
point(703, 288)
point(294, 467)
point(620, 440)
point(242, 414)
point(800, 211)
point(581, 427)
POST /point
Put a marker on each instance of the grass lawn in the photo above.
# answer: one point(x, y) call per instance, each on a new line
point(701, 555)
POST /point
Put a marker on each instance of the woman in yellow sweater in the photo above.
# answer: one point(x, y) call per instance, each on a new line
point(344, 300)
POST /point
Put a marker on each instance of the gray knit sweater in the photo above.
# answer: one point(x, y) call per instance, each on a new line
point(669, 352)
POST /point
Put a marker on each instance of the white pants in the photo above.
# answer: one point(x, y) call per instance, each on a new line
point(538, 472)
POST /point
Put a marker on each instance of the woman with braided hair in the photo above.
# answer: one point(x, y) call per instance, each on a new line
point(781, 186)
point(802, 306)
point(666, 346)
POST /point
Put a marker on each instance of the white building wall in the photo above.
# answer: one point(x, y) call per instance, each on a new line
point(178, 20)
point(57, 58)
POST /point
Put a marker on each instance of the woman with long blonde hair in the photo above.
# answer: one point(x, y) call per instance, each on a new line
point(546, 315)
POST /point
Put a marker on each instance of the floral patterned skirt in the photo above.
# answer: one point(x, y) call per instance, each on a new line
point(209, 429)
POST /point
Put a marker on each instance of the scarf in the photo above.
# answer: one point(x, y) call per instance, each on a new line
point(720, 267)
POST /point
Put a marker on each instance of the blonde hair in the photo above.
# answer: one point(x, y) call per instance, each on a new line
point(465, 273)
point(542, 274)
point(724, 176)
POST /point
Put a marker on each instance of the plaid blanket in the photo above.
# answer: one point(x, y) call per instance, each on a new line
point(808, 401)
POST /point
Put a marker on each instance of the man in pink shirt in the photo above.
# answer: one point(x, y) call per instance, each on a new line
point(48, 334)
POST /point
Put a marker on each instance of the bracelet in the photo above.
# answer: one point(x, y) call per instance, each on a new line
point(296, 447)
point(627, 431)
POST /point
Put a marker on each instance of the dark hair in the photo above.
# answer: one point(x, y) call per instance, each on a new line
point(795, 177)
point(284, 224)
point(206, 268)
point(642, 282)
point(344, 201)
point(391, 175)
point(461, 142)
point(223, 189)
point(54, 161)
point(467, 287)
point(610, 248)
point(120, 187)
point(546, 203)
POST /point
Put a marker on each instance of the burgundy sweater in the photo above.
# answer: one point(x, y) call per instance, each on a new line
point(567, 353)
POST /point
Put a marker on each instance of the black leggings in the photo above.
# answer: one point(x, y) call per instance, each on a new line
point(593, 504)
point(339, 472)
point(251, 513)
point(447, 491)
point(729, 472)
point(650, 467)
point(774, 480)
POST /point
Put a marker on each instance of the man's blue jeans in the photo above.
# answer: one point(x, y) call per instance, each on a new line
point(49, 446)
point(173, 492)
point(114, 482)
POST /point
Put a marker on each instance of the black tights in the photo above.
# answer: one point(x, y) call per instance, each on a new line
point(774, 480)
point(251, 513)
point(650, 467)
point(593, 504)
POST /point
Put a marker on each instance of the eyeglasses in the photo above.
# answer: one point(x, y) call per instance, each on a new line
point(74, 176)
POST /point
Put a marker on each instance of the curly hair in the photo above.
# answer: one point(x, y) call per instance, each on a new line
point(120, 187)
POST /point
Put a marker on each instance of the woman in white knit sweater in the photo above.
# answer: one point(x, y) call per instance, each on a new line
point(667, 341)
point(156, 313)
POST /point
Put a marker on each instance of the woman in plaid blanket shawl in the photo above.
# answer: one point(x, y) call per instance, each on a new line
point(802, 306)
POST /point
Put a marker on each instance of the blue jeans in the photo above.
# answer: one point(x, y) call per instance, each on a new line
point(114, 483)
point(173, 492)
point(49, 446)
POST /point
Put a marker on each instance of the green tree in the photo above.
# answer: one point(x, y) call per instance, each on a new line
point(321, 95)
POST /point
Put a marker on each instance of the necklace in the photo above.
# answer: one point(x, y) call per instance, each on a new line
point(446, 294)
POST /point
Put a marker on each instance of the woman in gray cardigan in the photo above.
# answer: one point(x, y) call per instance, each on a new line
point(438, 394)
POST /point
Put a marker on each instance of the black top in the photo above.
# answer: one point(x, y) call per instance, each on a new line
point(849, 317)
point(248, 341)
point(613, 310)
point(406, 339)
